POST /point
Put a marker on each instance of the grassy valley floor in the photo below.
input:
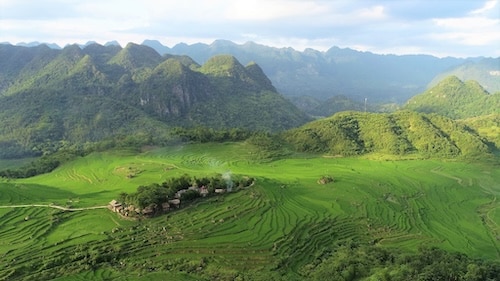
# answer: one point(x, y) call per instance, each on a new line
point(277, 227)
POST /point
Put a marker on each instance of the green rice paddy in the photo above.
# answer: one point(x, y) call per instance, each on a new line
point(285, 220)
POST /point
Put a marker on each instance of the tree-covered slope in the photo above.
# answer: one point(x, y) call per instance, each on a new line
point(18, 62)
point(36, 122)
point(400, 133)
point(456, 99)
point(487, 126)
point(79, 95)
point(244, 97)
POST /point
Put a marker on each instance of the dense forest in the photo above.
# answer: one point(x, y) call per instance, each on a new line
point(87, 95)
point(399, 133)
point(351, 261)
point(456, 99)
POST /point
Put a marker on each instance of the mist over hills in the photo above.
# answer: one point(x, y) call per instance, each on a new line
point(311, 74)
point(340, 71)
point(485, 71)
point(322, 75)
point(323, 83)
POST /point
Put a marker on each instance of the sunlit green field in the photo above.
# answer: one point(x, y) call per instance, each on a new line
point(283, 221)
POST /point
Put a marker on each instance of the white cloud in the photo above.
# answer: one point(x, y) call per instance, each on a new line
point(488, 6)
point(4, 3)
point(475, 29)
point(373, 13)
point(265, 10)
point(112, 9)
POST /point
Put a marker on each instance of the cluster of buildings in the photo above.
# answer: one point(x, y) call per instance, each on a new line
point(149, 211)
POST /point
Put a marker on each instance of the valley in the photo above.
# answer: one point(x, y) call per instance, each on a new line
point(391, 191)
point(274, 229)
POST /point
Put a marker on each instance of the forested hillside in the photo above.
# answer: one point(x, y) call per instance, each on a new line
point(487, 126)
point(400, 133)
point(80, 95)
point(456, 99)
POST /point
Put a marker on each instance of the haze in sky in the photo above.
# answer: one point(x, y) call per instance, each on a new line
point(463, 28)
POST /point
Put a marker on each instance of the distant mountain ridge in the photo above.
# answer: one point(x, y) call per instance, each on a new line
point(87, 94)
point(322, 75)
point(486, 72)
point(338, 71)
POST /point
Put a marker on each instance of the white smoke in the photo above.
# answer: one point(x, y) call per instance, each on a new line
point(229, 182)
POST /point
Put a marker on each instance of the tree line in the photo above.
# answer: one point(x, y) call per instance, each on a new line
point(351, 262)
point(154, 195)
point(52, 155)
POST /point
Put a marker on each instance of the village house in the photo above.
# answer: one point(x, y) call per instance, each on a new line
point(148, 211)
point(115, 206)
point(126, 210)
point(175, 203)
point(165, 206)
point(204, 191)
point(179, 193)
point(220, 190)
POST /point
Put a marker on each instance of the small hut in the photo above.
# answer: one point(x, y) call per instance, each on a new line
point(148, 211)
point(115, 206)
point(175, 203)
point(165, 206)
point(204, 191)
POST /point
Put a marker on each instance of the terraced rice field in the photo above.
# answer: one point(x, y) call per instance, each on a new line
point(285, 220)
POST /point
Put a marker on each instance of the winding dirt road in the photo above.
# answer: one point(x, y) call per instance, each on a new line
point(53, 206)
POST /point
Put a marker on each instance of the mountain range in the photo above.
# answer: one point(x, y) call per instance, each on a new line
point(90, 94)
point(339, 71)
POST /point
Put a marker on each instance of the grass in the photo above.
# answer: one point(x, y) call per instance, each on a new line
point(284, 221)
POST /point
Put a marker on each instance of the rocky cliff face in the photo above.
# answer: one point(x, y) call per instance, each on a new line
point(172, 89)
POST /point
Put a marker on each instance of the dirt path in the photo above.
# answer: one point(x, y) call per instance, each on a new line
point(53, 206)
point(437, 171)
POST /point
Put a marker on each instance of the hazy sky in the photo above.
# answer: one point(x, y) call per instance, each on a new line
point(438, 27)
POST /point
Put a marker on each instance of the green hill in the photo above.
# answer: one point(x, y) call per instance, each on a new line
point(18, 62)
point(456, 99)
point(487, 126)
point(79, 95)
point(400, 133)
point(135, 56)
